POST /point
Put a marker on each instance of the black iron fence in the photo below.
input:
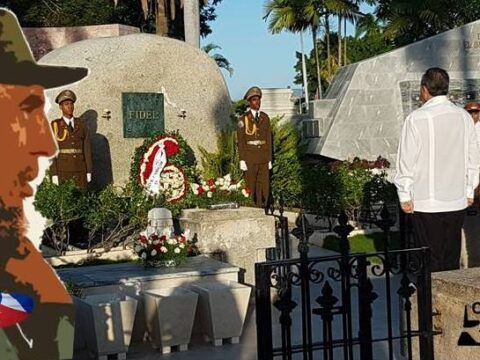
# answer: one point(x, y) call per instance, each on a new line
point(346, 306)
point(281, 251)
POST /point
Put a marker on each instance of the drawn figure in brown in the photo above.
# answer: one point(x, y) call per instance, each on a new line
point(25, 136)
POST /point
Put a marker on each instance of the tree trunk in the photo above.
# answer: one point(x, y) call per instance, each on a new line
point(345, 41)
point(317, 62)
point(327, 34)
point(304, 71)
point(191, 13)
point(339, 41)
point(162, 18)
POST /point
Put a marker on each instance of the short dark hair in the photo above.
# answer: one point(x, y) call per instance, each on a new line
point(436, 80)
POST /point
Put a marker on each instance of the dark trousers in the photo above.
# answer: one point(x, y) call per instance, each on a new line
point(257, 178)
point(442, 233)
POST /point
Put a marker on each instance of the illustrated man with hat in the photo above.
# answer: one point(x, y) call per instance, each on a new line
point(74, 160)
point(44, 323)
point(254, 135)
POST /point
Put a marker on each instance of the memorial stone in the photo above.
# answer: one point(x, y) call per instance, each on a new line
point(367, 102)
point(196, 101)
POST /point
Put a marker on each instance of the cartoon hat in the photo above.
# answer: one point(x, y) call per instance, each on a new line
point(253, 91)
point(18, 65)
point(66, 95)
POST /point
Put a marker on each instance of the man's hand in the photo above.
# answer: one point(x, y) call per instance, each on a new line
point(89, 177)
point(269, 165)
point(407, 207)
point(470, 201)
point(243, 165)
point(55, 179)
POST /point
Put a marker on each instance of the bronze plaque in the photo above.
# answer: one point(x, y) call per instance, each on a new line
point(143, 114)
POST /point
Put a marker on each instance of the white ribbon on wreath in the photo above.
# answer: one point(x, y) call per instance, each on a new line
point(159, 162)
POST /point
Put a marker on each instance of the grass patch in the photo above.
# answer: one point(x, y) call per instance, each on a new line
point(370, 243)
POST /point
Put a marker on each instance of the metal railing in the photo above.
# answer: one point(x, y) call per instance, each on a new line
point(346, 306)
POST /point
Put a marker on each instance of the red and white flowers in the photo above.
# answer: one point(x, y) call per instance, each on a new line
point(162, 247)
point(157, 175)
point(223, 184)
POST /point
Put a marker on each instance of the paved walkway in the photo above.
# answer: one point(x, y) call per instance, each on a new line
point(247, 348)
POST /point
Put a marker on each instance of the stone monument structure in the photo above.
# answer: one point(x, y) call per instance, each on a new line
point(140, 84)
point(280, 102)
point(367, 102)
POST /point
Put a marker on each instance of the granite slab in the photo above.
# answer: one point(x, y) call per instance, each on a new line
point(118, 274)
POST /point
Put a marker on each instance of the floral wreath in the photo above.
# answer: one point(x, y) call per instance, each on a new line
point(157, 175)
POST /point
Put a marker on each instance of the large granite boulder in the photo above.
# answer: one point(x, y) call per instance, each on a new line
point(196, 98)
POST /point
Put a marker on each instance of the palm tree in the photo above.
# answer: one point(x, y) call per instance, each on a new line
point(407, 21)
point(221, 60)
point(316, 10)
point(165, 10)
point(289, 15)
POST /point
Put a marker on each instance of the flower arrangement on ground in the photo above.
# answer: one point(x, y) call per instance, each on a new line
point(163, 248)
point(222, 189)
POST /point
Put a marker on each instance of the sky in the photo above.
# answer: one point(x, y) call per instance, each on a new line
point(257, 57)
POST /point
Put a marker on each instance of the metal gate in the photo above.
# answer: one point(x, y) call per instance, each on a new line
point(347, 306)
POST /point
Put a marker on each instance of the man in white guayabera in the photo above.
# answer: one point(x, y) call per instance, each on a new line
point(437, 170)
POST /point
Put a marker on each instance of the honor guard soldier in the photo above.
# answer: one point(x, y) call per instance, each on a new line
point(254, 136)
point(74, 160)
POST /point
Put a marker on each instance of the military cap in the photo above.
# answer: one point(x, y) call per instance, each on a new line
point(18, 65)
point(66, 95)
point(253, 91)
point(472, 106)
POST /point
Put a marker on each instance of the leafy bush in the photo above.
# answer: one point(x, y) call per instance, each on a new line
point(322, 190)
point(62, 204)
point(287, 167)
point(225, 160)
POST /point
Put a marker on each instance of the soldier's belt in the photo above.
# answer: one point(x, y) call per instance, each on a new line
point(256, 142)
point(71, 151)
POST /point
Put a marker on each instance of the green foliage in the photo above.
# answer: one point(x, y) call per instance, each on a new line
point(321, 190)
point(352, 182)
point(239, 108)
point(372, 43)
point(184, 159)
point(221, 60)
point(60, 203)
point(61, 13)
point(224, 160)
point(287, 169)
point(106, 210)
point(42, 13)
point(407, 21)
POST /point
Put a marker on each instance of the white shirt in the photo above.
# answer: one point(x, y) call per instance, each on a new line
point(254, 112)
point(477, 131)
point(69, 121)
point(438, 157)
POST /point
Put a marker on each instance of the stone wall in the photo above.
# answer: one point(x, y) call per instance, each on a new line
point(237, 236)
point(454, 298)
point(44, 40)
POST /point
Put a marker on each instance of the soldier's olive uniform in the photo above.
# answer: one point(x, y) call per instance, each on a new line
point(74, 159)
point(255, 148)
